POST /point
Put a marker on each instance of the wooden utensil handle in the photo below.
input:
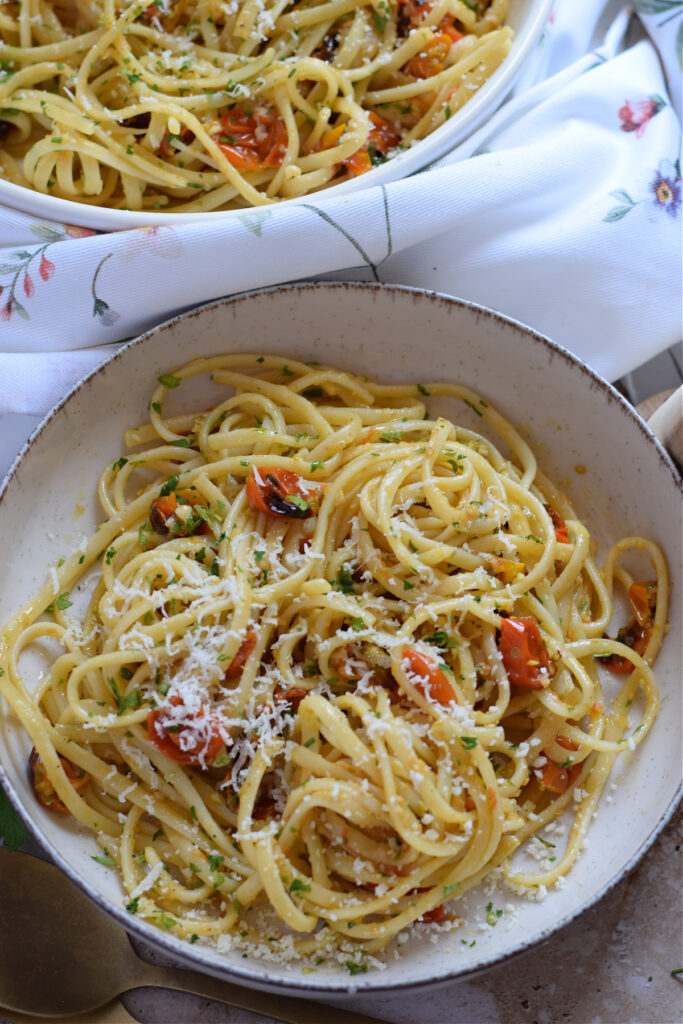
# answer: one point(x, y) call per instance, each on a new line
point(666, 422)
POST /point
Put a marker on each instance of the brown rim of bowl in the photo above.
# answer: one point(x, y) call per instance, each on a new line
point(261, 979)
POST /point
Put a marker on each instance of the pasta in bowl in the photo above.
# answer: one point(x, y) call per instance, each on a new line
point(339, 658)
point(193, 107)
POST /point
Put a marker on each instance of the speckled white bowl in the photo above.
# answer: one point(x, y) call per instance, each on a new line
point(526, 17)
point(571, 417)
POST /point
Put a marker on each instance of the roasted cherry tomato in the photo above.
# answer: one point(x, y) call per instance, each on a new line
point(291, 697)
point(383, 137)
point(165, 148)
point(643, 599)
point(194, 739)
point(428, 678)
point(524, 656)
point(43, 788)
point(557, 778)
point(252, 141)
point(177, 513)
point(236, 666)
point(561, 532)
point(279, 492)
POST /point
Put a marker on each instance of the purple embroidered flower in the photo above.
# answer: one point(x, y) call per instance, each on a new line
point(666, 188)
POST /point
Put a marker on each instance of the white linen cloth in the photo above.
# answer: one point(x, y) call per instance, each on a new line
point(563, 211)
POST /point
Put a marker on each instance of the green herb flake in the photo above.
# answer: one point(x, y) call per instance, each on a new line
point(168, 380)
point(106, 860)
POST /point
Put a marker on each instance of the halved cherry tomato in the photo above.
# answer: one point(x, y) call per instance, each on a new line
point(505, 569)
point(414, 10)
point(45, 792)
point(561, 532)
point(291, 697)
point(195, 741)
point(562, 741)
point(431, 680)
point(556, 778)
point(236, 666)
point(279, 492)
point(524, 656)
point(186, 136)
point(634, 636)
point(170, 20)
point(432, 59)
point(643, 599)
point(174, 513)
point(383, 137)
point(437, 915)
point(252, 141)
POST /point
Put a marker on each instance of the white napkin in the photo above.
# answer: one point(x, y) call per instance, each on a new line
point(564, 211)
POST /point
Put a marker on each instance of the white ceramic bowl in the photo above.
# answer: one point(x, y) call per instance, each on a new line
point(571, 417)
point(526, 17)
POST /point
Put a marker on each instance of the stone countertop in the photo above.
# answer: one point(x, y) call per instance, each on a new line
point(610, 966)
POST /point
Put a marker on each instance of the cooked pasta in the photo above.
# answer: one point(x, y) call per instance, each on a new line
point(197, 105)
point(339, 659)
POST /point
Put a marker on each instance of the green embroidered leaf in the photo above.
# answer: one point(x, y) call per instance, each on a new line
point(255, 221)
point(657, 6)
point(616, 213)
point(622, 196)
point(18, 308)
point(47, 232)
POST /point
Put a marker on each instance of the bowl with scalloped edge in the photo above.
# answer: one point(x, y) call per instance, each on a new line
point(526, 17)
point(587, 439)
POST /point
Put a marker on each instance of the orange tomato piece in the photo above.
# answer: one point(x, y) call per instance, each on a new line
point(170, 21)
point(279, 492)
point(196, 741)
point(185, 136)
point(382, 138)
point(562, 741)
point(561, 532)
point(164, 517)
point(430, 680)
point(252, 141)
point(643, 599)
point(236, 666)
point(437, 915)
point(505, 568)
point(431, 60)
point(291, 697)
point(556, 778)
point(524, 656)
point(45, 792)
point(414, 10)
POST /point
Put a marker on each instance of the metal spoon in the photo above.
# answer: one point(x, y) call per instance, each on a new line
point(60, 955)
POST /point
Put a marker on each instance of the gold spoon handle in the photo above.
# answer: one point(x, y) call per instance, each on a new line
point(113, 1013)
point(281, 1008)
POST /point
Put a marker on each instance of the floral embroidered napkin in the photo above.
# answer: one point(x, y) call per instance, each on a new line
point(563, 211)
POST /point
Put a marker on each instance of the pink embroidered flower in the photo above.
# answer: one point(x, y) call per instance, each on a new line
point(29, 287)
point(635, 120)
point(158, 240)
point(75, 232)
point(46, 269)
